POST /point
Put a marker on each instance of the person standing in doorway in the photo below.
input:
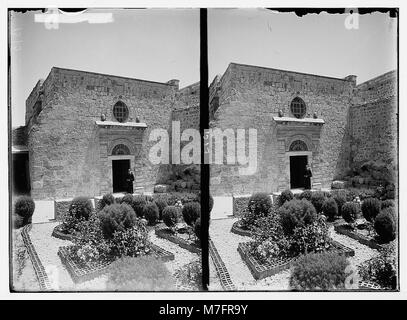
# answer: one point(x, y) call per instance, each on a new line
point(129, 181)
point(307, 177)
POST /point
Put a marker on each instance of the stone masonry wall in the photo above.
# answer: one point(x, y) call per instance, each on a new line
point(250, 96)
point(65, 143)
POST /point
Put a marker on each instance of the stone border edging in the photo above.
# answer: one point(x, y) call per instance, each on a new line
point(177, 240)
point(261, 270)
point(371, 243)
point(220, 267)
point(39, 269)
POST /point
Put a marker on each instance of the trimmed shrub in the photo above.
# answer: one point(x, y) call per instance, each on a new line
point(317, 199)
point(259, 204)
point(24, 208)
point(385, 225)
point(151, 213)
point(80, 208)
point(161, 204)
point(170, 216)
point(307, 194)
point(319, 271)
point(139, 274)
point(388, 203)
point(350, 211)
point(285, 196)
point(197, 228)
point(148, 198)
point(138, 205)
point(370, 208)
point(106, 200)
point(296, 213)
point(191, 211)
point(116, 217)
point(127, 199)
point(340, 199)
point(330, 209)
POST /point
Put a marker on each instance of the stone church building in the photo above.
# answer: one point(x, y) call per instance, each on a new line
point(330, 123)
point(84, 130)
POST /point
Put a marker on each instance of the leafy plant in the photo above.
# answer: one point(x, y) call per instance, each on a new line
point(285, 196)
point(161, 204)
point(340, 198)
point(138, 205)
point(388, 203)
point(370, 208)
point(80, 209)
point(131, 242)
point(106, 200)
point(145, 273)
point(170, 216)
point(306, 194)
point(259, 204)
point(127, 199)
point(319, 271)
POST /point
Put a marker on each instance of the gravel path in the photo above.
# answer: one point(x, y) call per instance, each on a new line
point(226, 243)
point(47, 248)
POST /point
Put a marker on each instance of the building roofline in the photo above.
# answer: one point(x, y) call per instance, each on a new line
point(111, 75)
point(289, 71)
point(383, 75)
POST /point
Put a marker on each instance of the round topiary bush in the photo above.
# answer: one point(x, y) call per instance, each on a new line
point(127, 199)
point(388, 203)
point(80, 208)
point(197, 228)
point(138, 205)
point(285, 196)
point(350, 211)
point(170, 216)
point(106, 200)
point(259, 204)
point(24, 209)
point(370, 208)
point(317, 199)
point(161, 204)
point(191, 211)
point(116, 217)
point(296, 213)
point(151, 213)
point(319, 271)
point(385, 225)
point(330, 209)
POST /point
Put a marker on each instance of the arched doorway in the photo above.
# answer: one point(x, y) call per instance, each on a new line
point(298, 153)
point(120, 166)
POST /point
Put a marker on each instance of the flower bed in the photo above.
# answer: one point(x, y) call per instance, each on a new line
point(261, 270)
point(236, 229)
point(58, 233)
point(81, 272)
point(189, 245)
point(358, 236)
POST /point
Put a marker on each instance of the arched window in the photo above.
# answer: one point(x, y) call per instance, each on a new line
point(120, 150)
point(298, 108)
point(120, 111)
point(298, 145)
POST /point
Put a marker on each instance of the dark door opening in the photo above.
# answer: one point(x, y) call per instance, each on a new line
point(120, 169)
point(20, 174)
point(297, 170)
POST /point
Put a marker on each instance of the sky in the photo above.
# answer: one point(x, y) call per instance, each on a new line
point(316, 44)
point(156, 45)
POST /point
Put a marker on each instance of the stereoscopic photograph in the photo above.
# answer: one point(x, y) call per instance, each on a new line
point(102, 196)
point(304, 160)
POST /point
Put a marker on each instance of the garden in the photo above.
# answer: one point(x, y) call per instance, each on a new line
point(132, 243)
point(314, 240)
